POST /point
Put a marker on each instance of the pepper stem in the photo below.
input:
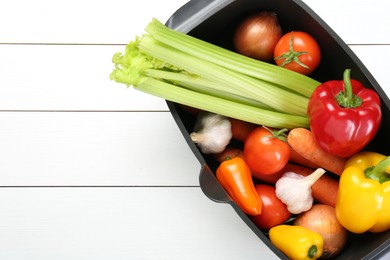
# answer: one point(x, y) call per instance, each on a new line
point(378, 172)
point(347, 84)
point(347, 98)
point(312, 251)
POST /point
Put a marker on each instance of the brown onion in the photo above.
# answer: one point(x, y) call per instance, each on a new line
point(257, 36)
point(322, 219)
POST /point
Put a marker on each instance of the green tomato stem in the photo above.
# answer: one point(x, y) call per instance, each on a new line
point(280, 134)
point(292, 56)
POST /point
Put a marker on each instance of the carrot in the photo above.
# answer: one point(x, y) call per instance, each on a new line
point(299, 159)
point(303, 142)
point(325, 190)
point(241, 129)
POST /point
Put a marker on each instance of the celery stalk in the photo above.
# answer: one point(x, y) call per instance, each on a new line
point(187, 77)
point(268, 72)
point(199, 84)
point(269, 94)
point(220, 106)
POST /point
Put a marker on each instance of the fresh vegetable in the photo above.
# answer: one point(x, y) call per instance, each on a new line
point(231, 152)
point(204, 73)
point(322, 219)
point(235, 177)
point(266, 151)
point(295, 190)
point(212, 132)
point(257, 35)
point(324, 190)
point(298, 51)
point(344, 115)
point(303, 142)
point(297, 158)
point(232, 60)
point(274, 211)
point(297, 242)
point(363, 201)
point(241, 129)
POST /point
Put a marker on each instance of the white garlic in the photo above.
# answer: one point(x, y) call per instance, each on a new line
point(212, 132)
point(294, 190)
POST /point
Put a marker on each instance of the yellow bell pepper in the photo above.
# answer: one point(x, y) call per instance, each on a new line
point(297, 242)
point(363, 199)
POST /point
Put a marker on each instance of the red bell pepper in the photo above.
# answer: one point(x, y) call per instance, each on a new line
point(344, 115)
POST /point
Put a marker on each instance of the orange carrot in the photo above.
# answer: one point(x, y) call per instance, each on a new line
point(241, 129)
point(303, 142)
point(299, 159)
point(325, 190)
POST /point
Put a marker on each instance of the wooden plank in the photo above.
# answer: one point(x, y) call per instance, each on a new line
point(79, 21)
point(70, 77)
point(117, 21)
point(348, 18)
point(121, 223)
point(369, 56)
point(92, 148)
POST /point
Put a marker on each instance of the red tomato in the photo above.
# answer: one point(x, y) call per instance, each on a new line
point(288, 52)
point(274, 211)
point(266, 151)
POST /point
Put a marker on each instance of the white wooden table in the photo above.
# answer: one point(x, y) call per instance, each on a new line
point(92, 170)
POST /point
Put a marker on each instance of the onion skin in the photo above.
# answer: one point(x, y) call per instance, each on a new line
point(257, 35)
point(322, 219)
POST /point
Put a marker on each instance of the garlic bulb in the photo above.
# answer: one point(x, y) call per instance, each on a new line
point(212, 132)
point(294, 190)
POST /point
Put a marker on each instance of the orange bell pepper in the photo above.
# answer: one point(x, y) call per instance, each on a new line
point(235, 177)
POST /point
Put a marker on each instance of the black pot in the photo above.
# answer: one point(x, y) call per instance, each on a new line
point(214, 21)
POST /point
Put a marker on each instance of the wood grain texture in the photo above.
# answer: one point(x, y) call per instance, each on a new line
point(121, 223)
point(92, 148)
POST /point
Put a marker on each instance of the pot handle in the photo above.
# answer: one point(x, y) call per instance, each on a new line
point(211, 187)
point(193, 13)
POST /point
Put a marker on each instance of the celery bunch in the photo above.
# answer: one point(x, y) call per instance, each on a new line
point(186, 70)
